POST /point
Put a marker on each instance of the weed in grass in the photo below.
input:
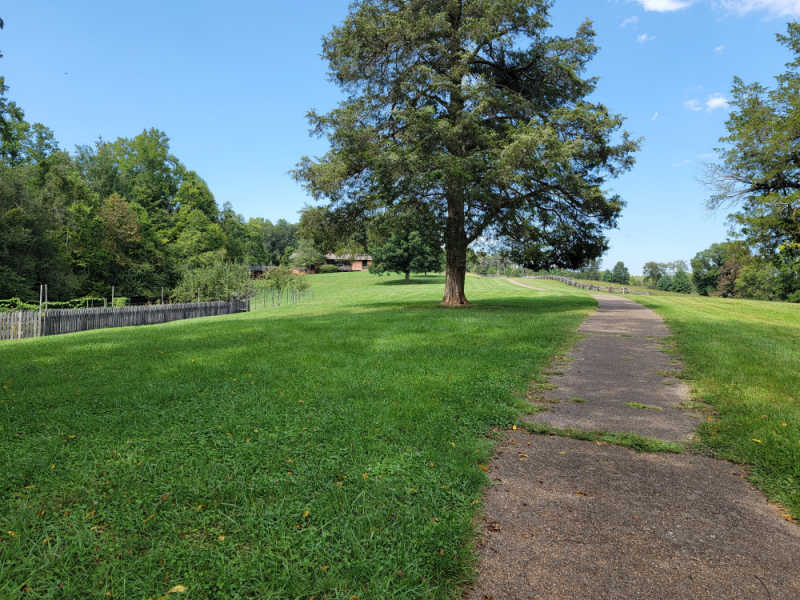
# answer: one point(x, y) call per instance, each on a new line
point(643, 406)
point(629, 440)
point(695, 406)
point(578, 400)
point(674, 374)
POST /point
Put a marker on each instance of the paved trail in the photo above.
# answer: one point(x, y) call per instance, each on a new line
point(567, 519)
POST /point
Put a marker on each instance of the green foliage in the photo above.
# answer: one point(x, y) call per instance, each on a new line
point(219, 281)
point(306, 255)
point(653, 272)
point(757, 174)
point(282, 285)
point(681, 283)
point(327, 269)
point(199, 446)
point(665, 283)
point(475, 113)
point(125, 213)
point(706, 268)
point(405, 252)
point(620, 274)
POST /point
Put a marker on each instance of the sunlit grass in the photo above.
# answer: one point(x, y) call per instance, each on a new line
point(329, 448)
point(743, 357)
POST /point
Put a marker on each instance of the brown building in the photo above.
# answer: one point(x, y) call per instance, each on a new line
point(349, 262)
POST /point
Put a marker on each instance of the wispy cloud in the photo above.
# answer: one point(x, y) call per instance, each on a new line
point(629, 21)
point(643, 38)
point(665, 5)
point(776, 8)
point(719, 49)
point(655, 116)
point(693, 105)
point(712, 103)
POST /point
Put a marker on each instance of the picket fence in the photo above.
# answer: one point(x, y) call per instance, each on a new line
point(27, 324)
point(591, 286)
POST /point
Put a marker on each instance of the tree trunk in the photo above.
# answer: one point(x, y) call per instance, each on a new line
point(408, 276)
point(456, 251)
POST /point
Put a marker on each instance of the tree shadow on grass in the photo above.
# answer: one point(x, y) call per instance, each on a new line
point(433, 280)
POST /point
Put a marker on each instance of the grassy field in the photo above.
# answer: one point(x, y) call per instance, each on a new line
point(331, 449)
point(743, 357)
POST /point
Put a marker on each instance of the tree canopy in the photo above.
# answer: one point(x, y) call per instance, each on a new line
point(473, 110)
point(125, 213)
point(759, 170)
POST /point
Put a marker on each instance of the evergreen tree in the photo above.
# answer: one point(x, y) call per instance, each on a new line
point(620, 274)
point(471, 108)
point(757, 172)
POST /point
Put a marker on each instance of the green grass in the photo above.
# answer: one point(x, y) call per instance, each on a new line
point(327, 449)
point(643, 406)
point(743, 358)
point(633, 441)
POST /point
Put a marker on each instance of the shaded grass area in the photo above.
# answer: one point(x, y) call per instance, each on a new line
point(330, 448)
point(743, 357)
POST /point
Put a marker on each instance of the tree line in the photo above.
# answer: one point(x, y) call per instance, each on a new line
point(124, 213)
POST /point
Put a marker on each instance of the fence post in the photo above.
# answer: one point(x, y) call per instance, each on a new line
point(41, 292)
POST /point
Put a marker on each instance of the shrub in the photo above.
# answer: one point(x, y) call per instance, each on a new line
point(327, 269)
point(220, 281)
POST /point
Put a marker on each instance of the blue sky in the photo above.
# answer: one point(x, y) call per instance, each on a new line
point(230, 84)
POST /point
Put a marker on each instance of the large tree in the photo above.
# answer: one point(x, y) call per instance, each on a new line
point(472, 108)
point(759, 168)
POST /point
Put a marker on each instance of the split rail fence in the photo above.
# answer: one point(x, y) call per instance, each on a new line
point(591, 286)
point(32, 323)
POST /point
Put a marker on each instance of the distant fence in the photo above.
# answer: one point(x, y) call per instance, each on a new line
point(591, 286)
point(27, 324)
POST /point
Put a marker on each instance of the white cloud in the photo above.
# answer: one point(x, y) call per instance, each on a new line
point(719, 49)
point(693, 105)
point(716, 101)
point(666, 5)
point(777, 8)
point(644, 38)
point(712, 103)
point(655, 116)
point(629, 21)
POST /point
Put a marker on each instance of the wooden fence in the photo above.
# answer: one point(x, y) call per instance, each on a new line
point(591, 286)
point(27, 324)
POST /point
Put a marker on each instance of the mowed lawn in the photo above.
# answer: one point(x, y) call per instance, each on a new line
point(325, 450)
point(743, 357)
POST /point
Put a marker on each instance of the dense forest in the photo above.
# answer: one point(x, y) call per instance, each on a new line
point(126, 213)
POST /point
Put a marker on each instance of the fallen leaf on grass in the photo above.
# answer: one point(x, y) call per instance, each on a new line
point(484, 468)
point(306, 514)
point(177, 589)
point(757, 441)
